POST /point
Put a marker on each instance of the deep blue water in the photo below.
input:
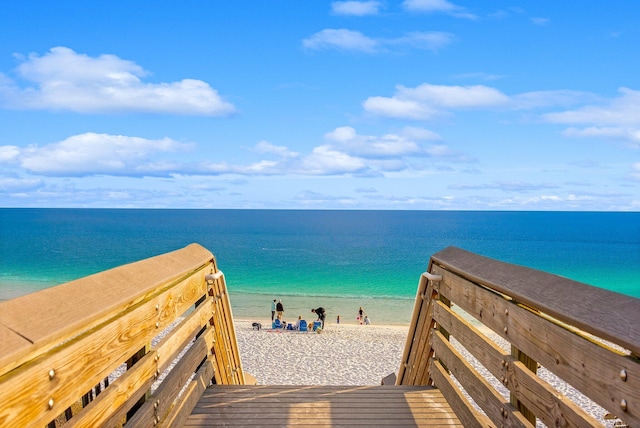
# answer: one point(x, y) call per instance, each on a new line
point(320, 253)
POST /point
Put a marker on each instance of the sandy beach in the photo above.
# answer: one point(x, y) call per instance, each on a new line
point(342, 354)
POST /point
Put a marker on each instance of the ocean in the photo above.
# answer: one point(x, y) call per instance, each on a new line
point(337, 259)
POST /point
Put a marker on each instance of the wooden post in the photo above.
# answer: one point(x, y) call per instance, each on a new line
point(533, 366)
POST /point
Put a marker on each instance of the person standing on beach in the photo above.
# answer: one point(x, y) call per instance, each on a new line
point(273, 310)
point(361, 315)
point(280, 309)
point(321, 314)
point(338, 319)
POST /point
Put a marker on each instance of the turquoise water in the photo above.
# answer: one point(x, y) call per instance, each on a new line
point(308, 258)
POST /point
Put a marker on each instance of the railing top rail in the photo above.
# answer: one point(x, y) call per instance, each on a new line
point(609, 315)
point(41, 318)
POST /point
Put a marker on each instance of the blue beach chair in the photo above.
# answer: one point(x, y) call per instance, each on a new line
point(303, 326)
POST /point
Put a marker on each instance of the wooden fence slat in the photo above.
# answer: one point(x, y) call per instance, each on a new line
point(418, 356)
point(228, 316)
point(112, 405)
point(494, 405)
point(589, 367)
point(413, 327)
point(550, 406)
point(161, 401)
point(469, 416)
point(179, 414)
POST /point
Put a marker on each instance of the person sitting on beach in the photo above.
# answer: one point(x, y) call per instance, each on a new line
point(280, 309)
point(367, 321)
point(321, 315)
point(298, 322)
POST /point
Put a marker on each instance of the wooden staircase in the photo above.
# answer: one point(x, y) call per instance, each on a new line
point(322, 406)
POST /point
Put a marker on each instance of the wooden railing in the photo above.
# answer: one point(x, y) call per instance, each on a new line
point(587, 337)
point(61, 349)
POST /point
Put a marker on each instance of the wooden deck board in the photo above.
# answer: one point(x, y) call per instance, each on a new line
point(320, 406)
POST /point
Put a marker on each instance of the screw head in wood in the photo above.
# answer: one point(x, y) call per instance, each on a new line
point(506, 311)
point(623, 404)
point(506, 329)
point(157, 324)
point(623, 375)
point(51, 403)
point(52, 374)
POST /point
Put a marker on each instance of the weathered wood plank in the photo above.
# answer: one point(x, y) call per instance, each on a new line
point(550, 406)
point(588, 366)
point(611, 316)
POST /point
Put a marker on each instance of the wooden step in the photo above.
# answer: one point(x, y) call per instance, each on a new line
point(321, 406)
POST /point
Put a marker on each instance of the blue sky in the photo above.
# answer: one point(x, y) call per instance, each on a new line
point(415, 104)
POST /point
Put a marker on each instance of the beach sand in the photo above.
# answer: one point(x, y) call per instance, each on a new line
point(342, 354)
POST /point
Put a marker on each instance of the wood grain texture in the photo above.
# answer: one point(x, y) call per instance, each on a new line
point(318, 406)
point(465, 411)
point(46, 318)
point(586, 365)
point(611, 316)
point(549, 405)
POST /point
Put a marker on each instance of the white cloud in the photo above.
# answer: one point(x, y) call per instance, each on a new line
point(426, 40)
point(9, 153)
point(428, 101)
point(356, 8)
point(624, 110)
point(94, 154)
point(13, 185)
point(443, 6)
point(266, 147)
point(540, 21)
point(62, 79)
point(325, 160)
point(558, 98)
point(340, 39)
point(349, 40)
point(631, 134)
point(386, 146)
point(617, 118)
point(454, 96)
point(399, 108)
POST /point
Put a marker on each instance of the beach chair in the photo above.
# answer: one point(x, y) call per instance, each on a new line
point(303, 326)
point(276, 324)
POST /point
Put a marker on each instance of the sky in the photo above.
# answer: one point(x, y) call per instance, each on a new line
point(407, 105)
